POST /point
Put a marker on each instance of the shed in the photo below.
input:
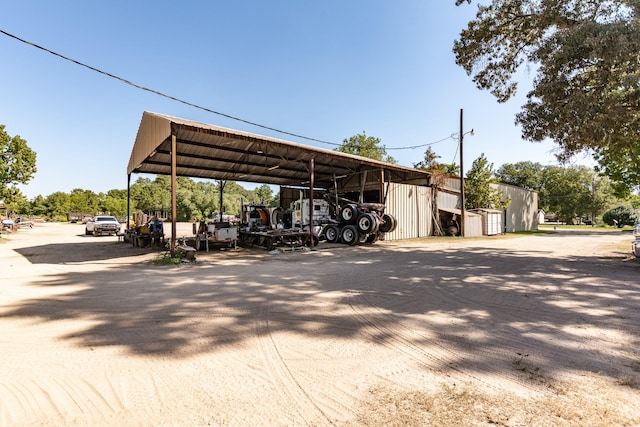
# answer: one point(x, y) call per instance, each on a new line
point(492, 221)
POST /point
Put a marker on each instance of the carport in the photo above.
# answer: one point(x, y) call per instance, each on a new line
point(173, 146)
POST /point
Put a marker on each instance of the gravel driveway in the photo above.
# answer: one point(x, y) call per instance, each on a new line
point(92, 332)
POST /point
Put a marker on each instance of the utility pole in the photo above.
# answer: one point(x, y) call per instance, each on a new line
point(461, 178)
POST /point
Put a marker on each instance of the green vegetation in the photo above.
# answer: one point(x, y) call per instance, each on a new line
point(570, 193)
point(585, 58)
point(620, 216)
point(17, 165)
point(198, 200)
point(478, 191)
point(366, 146)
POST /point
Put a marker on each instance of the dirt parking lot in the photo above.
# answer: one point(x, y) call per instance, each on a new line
point(512, 331)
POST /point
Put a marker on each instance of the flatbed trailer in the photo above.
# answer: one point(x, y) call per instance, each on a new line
point(270, 239)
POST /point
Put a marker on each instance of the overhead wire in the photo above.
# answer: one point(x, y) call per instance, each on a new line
point(191, 104)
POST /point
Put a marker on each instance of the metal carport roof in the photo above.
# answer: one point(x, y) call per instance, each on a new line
point(208, 151)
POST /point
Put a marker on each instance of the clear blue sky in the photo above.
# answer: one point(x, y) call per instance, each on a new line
point(327, 70)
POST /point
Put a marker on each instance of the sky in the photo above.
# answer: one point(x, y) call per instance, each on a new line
point(326, 70)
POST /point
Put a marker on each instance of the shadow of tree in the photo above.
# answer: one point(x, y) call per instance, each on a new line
point(458, 308)
point(93, 249)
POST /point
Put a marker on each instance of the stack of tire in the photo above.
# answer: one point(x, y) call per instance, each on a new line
point(357, 225)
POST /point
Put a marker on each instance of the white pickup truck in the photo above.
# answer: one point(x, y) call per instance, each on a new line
point(102, 224)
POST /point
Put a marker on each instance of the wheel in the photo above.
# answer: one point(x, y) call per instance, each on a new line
point(367, 223)
point(395, 223)
point(364, 222)
point(87, 232)
point(314, 241)
point(362, 237)
point(350, 235)
point(372, 238)
point(389, 223)
point(332, 233)
point(349, 213)
point(95, 233)
point(268, 243)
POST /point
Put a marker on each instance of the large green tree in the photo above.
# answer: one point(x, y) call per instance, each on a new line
point(479, 194)
point(366, 146)
point(567, 192)
point(586, 55)
point(17, 165)
point(522, 174)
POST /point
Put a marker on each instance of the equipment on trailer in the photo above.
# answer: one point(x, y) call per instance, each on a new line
point(219, 234)
point(265, 227)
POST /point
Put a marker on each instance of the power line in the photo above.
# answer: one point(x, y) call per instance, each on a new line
point(173, 98)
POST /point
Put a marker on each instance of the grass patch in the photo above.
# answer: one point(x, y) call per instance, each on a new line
point(467, 406)
point(167, 259)
point(599, 227)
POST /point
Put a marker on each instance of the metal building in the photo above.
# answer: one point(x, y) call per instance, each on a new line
point(522, 212)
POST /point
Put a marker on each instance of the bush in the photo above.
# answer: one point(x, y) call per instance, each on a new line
point(620, 216)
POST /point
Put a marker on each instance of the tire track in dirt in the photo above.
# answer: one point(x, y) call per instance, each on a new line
point(521, 343)
point(402, 338)
point(296, 399)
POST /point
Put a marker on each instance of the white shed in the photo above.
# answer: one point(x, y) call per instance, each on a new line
point(492, 221)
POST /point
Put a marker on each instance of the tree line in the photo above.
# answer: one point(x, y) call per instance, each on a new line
point(195, 200)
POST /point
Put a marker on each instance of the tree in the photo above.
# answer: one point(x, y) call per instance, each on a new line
point(84, 201)
point(586, 94)
point(438, 171)
point(620, 216)
point(477, 189)
point(366, 146)
point(567, 192)
point(265, 194)
point(522, 174)
point(17, 165)
point(58, 206)
point(430, 163)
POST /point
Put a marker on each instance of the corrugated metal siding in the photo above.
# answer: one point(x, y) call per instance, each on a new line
point(411, 205)
point(472, 224)
point(451, 183)
point(448, 201)
point(522, 212)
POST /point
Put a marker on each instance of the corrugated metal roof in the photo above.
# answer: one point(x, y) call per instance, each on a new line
point(208, 151)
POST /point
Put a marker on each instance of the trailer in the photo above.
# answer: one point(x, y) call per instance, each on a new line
point(265, 227)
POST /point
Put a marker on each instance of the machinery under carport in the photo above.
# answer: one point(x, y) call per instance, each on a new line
point(177, 147)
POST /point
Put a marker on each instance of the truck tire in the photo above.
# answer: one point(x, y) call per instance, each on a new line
point(348, 214)
point(367, 223)
point(350, 235)
point(332, 233)
point(372, 238)
point(389, 223)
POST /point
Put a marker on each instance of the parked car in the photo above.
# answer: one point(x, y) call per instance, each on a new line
point(102, 224)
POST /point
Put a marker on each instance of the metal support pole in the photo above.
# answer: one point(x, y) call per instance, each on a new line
point(174, 205)
point(461, 179)
point(126, 227)
point(311, 185)
point(222, 185)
